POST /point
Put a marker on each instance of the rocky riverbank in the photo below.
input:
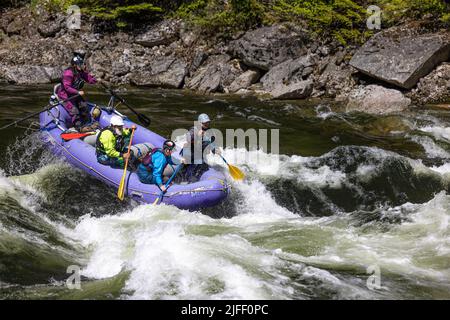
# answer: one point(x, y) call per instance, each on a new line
point(397, 68)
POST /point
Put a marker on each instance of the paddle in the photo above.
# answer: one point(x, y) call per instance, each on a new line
point(47, 108)
point(161, 195)
point(235, 172)
point(142, 118)
point(75, 135)
point(121, 190)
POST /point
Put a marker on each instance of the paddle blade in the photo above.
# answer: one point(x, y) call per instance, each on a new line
point(236, 173)
point(121, 190)
point(156, 201)
point(144, 120)
point(75, 135)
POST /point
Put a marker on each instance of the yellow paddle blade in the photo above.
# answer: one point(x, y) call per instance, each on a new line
point(121, 190)
point(236, 173)
point(156, 201)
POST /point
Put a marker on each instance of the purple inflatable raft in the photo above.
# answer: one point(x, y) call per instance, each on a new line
point(210, 190)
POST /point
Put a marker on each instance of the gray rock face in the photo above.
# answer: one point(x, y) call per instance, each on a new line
point(336, 78)
point(296, 90)
point(50, 27)
point(290, 71)
point(245, 80)
point(266, 47)
point(27, 74)
point(166, 72)
point(400, 57)
point(217, 74)
point(15, 27)
point(434, 88)
point(376, 100)
point(162, 33)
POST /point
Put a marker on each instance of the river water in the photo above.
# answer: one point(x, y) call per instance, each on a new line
point(356, 209)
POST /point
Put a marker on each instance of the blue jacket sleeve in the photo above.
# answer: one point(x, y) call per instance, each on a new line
point(159, 162)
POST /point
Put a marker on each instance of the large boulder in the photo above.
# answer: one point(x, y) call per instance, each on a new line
point(28, 74)
point(162, 33)
point(245, 80)
point(400, 56)
point(296, 90)
point(290, 71)
point(167, 72)
point(266, 47)
point(376, 99)
point(216, 75)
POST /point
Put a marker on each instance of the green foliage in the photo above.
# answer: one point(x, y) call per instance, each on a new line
point(222, 17)
point(396, 10)
point(121, 12)
point(344, 19)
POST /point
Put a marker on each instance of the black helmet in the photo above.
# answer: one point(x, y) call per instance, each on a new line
point(169, 144)
point(78, 59)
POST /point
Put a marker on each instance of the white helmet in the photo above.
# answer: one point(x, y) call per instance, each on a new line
point(117, 121)
point(203, 118)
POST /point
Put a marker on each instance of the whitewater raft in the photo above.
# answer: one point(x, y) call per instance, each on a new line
point(211, 188)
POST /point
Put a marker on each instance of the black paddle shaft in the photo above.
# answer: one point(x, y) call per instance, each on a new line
point(47, 108)
point(142, 118)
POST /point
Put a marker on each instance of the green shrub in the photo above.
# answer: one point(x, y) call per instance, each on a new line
point(397, 10)
point(222, 17)
point(344, 19)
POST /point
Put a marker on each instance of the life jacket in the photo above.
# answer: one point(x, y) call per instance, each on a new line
point(147, 160)
point(120, 142)
point(78, 83)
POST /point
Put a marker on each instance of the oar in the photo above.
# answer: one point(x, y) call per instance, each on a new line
point(121, 191)
point(75, 135)
point(142, 118)
point(47, 108)
point(235, 172)
point(161, 195)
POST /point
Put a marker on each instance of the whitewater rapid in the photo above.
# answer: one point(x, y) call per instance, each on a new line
point(264, 251)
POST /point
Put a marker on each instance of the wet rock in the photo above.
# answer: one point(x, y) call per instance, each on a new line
point(217, 74)
point(120, 68)
point(400, 56)
point(434, 88)
point(167, 72)
point(162, 33)
point(199, 58)
point(245, 80)
point(335, 79)
point(26, 74)
point(290, 71)
point(296, 90)
point(266, 47)
point(376, 100)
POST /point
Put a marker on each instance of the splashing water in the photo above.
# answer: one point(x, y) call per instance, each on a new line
point(301, 226)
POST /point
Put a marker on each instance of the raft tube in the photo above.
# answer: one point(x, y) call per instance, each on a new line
point(211, 189)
